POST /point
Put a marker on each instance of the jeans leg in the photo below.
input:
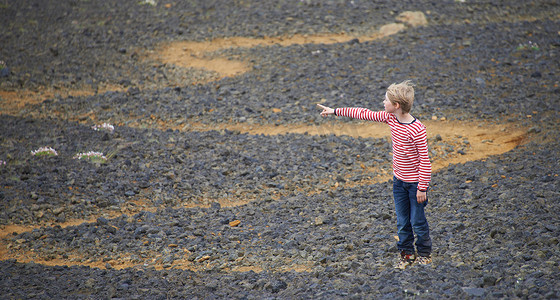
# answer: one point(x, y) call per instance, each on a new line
point(419, 223)
point(402, 208)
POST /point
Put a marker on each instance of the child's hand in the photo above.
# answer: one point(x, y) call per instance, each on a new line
point(326, 110)
point(421, 197)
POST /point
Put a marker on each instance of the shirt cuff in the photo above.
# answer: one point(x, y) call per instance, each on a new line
point(423, 187)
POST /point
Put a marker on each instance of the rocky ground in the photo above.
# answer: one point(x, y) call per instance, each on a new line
point(207, 192)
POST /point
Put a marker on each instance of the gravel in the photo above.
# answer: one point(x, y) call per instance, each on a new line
point(181, 213)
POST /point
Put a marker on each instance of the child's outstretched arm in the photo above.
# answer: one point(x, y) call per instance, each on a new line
point(355, 113)
point(326, 110)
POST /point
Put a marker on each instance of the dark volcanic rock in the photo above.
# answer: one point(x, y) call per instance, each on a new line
point(494, 222)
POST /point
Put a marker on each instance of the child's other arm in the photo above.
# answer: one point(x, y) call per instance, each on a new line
point(425, 167)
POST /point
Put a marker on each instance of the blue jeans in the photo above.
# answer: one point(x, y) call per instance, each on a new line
point(411, 219)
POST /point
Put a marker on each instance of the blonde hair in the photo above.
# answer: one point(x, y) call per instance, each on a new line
point(403, 94)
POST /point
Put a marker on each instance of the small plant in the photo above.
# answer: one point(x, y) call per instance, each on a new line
point(4, 70)
point(2, 163)
point(44, 151)
point(529, 46)
point(104, 127)
point(148, 2)
point(96, 157)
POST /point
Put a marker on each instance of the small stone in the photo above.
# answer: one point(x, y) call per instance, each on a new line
point(489, 281)
point(534, 129)
point(102, 221)
point(144, 184)
point(234, 223)
point(536, 74)
point(58, 211)
point(413, 18)
point(204, 258)
point(4, 72)
point(112, 229)
point(90, 283)
point(276, 286)
point(480, 81)
point(477, 292)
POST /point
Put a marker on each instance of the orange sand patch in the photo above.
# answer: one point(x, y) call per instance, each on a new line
point(198, 55)
point(12, 102)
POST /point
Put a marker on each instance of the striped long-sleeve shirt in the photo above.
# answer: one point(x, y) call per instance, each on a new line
point(411, 162)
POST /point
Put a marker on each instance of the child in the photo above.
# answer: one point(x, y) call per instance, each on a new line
point(411, 169)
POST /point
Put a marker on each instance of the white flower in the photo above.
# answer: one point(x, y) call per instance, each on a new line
point(91, 155)
point(149, 2)
point(104, 126)
point(44, 151)
point(529, 46)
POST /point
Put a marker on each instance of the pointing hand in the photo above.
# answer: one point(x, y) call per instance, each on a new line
point(326, 110)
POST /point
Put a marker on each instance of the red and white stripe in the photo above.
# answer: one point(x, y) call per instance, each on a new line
point(411, 162)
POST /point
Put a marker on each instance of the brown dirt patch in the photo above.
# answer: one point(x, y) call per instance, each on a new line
point(286, 268)
point(199, 55)
point(12, 102)
point(224, 202)
point(9, 250)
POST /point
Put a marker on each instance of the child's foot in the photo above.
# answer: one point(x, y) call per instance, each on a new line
point(405, 260)
point(424, 260)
